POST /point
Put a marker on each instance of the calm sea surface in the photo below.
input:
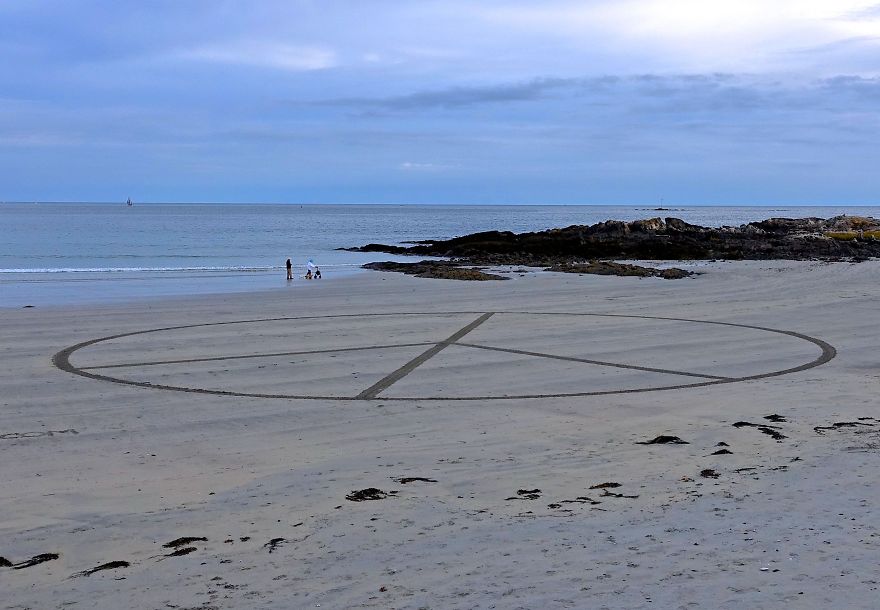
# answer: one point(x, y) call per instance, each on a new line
point(63, 253)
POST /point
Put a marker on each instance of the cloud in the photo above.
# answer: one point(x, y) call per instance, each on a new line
point(679, 92)
point(865, 88)
point(457, 97)
point(412, 166)
point(278, 55)
point(691, 35)
point(32, 139)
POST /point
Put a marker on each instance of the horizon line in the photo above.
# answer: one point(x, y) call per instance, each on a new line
point(660, 208)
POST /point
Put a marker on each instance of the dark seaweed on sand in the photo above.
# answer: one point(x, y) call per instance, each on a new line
point(664, 439)
point(370, 493)
point(36, 560)
point(183, 541)
point(112, 565)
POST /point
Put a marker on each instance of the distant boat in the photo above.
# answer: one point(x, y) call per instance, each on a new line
point(128, 202)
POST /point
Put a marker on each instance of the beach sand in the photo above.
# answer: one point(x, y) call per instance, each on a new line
point(513, 437)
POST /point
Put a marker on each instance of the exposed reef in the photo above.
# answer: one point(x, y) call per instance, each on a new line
point(621, 269)
point(445, 270)
point(841, 237)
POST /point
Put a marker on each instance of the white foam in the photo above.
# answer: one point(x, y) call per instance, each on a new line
point(241, 269)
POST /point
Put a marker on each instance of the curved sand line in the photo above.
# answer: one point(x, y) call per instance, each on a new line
point(62, 359)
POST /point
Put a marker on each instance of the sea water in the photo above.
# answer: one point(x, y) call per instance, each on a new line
point(89, 252)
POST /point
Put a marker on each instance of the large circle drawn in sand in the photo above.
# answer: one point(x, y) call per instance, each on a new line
point(434, 347)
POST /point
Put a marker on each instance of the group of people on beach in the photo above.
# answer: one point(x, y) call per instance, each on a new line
point(309, 275)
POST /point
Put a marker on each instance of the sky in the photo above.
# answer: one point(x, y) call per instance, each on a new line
point(691, 102)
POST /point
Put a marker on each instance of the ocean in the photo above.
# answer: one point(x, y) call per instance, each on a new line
point(57, 253)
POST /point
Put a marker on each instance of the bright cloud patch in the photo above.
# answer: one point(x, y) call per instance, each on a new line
point(282, 56)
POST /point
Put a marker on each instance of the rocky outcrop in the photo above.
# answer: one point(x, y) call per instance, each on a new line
point(659, 239)
point(443, 270)
point(621, 269)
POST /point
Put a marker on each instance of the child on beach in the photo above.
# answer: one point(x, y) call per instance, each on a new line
point(289, 270)
point(309, 274)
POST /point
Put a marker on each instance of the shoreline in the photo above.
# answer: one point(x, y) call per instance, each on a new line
point(120, 288)
point(20, 292)
point(555, 248)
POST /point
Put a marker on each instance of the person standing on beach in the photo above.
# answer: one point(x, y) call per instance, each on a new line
point(289, 270)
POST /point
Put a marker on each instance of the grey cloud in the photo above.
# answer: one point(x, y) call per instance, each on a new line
point(867, 88)
point(532, 90)
point(636, 110)
point(457, 97)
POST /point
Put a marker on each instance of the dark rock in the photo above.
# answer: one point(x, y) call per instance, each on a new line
point(663, 439)
point(405, 480)
point(5, 563)
point(656, 239)
point(605, 486)
point(673, 273)
point(181, 552)
point(379, 248)
point(723, 452)
point(621, 269)
point(708, 473)
point(442, 270)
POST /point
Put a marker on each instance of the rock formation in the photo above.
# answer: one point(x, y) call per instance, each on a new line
point(658, 239)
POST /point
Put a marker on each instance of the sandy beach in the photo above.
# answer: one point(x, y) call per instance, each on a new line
point(207, 452)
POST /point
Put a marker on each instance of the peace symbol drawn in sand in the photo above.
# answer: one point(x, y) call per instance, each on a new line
point(484, 356)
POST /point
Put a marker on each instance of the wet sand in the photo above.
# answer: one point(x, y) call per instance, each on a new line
point(466, 445)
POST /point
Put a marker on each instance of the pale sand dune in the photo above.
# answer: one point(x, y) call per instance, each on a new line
point(127, 469)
